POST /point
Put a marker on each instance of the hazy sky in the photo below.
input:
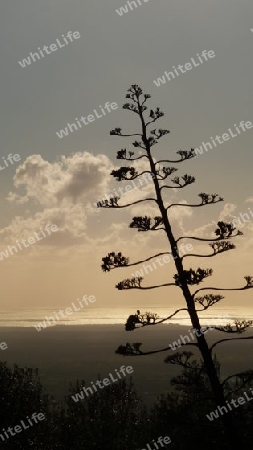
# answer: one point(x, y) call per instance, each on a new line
point(57, 180)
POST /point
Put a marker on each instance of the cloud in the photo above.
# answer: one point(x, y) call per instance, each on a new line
point(61, 192)
point(226, 214)
point(67, 181)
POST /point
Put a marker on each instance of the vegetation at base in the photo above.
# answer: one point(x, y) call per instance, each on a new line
point(115, 417)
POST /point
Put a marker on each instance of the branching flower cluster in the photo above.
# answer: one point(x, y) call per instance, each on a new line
point(122, 154)
point(185, 180)
point(155, 115)
point(164, 172)
point(145, 319)
point(221, 246)
point(125, 173)
point(129, 349)
point(146, 223)
point(192, 277)
point(129, 283)
point(238, 326)
point(208, 300)
point(159, 133)
point(249, 281)
point(208, 199)
point(113, 260)
point(224, 230)
point(111, 203)
point(116, 132)
point(186, 154)
point(182, 359)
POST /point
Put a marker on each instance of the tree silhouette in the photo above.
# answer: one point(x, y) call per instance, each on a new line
point(22, 394)
point(184, 279)
point(108, 419)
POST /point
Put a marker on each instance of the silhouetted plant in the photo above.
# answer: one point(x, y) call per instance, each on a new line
point(184, 279)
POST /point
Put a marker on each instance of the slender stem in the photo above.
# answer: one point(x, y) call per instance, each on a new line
point(134, 159)
point(130, 204)
point(144, 260)
point(171, 162)
point(123, 135)
point(152, 352)
point(193, 206)
point(206, 256)
point(136, 176)
point(174, 187)
point(232, 376)
point(205, 240)
point(221, 289)
point(166, 318)
point(229, 339)
point(149, 287)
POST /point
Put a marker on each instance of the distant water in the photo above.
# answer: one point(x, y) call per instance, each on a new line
point(111, 316)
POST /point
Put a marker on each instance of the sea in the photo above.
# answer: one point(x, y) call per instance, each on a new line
point(116, 315)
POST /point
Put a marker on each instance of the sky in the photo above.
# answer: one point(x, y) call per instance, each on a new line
point(58, 180)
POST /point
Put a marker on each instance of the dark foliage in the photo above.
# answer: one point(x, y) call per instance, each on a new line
point(116, 418)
